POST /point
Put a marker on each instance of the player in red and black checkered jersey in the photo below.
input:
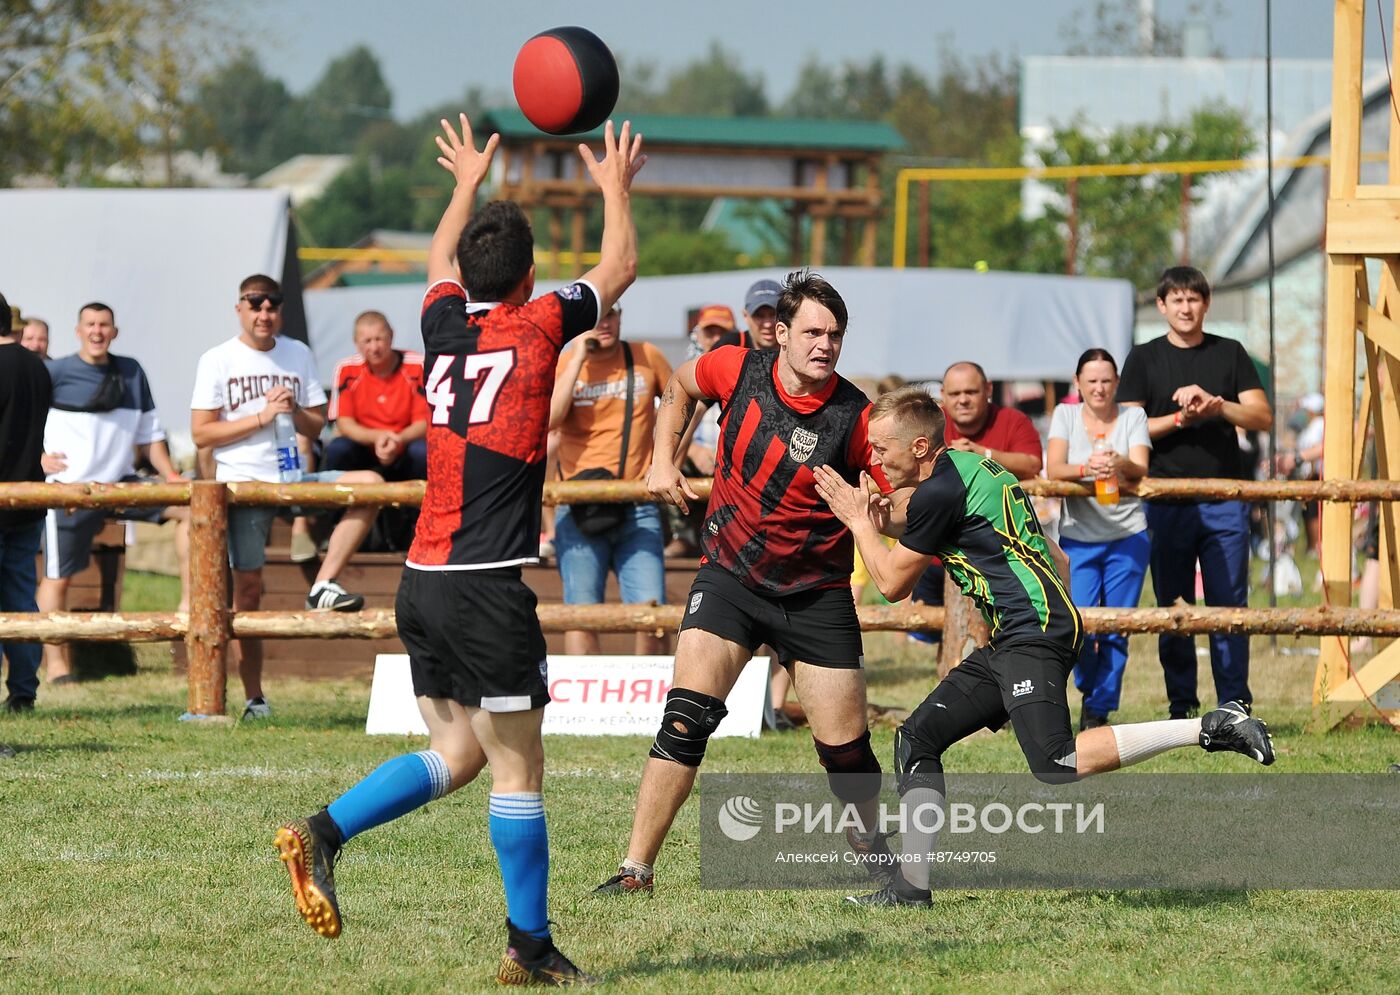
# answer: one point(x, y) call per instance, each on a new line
point(468, 621)
point(777, 566)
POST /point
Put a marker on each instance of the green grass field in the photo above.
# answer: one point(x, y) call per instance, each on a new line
point(139, 859)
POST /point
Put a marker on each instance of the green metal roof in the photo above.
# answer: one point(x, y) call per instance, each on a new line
point(738, 132)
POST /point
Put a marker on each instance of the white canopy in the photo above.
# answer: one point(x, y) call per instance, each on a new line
point(914, 322)
point(168, 262)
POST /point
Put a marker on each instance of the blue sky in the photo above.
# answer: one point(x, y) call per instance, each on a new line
point(432, 50)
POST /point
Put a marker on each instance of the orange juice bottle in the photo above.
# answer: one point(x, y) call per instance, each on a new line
point(1105, 491)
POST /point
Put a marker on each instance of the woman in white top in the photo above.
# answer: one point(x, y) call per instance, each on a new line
point(1107, 544)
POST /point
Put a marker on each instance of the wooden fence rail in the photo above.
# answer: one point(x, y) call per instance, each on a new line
point(210, 624)
point(579, 491)
point(155, 627)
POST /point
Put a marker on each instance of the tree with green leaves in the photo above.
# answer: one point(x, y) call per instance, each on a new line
point(88, 83)
point(1128, 226)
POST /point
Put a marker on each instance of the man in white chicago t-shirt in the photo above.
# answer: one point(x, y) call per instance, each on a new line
point(240, 387)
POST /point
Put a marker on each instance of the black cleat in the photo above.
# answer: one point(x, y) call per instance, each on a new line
point(310, 861)
point(532, 961)
point(890, 896)
point(625, 882)
point(1230, 727)
point(873, 855)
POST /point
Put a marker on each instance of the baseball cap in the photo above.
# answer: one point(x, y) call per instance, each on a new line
point(764, 293)
point(715, 314)
point(1313, 403)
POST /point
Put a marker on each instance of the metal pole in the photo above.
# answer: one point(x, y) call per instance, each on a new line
point(1270, 510)
point(206, 641)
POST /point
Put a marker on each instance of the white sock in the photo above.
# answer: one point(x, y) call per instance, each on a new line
point(916, 844)
point(1141, 740)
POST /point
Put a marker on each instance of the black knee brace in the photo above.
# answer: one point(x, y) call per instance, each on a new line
point(852, 769)
point(690, 719)
point(916, 766)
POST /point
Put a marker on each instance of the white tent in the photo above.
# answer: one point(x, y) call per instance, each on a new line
point(914, 322)
point(168, 262)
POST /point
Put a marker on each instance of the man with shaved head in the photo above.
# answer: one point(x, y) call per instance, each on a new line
point(976, 425)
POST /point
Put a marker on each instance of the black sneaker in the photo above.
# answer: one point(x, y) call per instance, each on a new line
point(532, 961)
point(330, 596)
point(626, 882)
point(1088, 720)
point(310, 861)
point(1230, 727)
point(873, 855)
point(891, 895)
point(1188, 713)
point(15, 705)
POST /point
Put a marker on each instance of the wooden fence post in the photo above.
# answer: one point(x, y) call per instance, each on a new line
point(206, 641)
point(963, 627)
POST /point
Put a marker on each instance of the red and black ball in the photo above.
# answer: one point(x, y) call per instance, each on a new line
point(565, 80)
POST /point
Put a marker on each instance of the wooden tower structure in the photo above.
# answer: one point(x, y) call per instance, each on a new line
point(1363, 225)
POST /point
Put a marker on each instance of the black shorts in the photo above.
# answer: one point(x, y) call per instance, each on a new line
point(997, 681)
point(993, 686)
point(472, 636)
point(817, 627)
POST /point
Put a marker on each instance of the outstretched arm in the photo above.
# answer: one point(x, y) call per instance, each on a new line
point(622, 158)
point(469, 168)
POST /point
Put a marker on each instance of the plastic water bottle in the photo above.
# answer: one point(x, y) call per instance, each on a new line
point(1105, 489)
point(288, 453)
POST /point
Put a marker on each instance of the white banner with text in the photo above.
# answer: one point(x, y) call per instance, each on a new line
point(590, 696)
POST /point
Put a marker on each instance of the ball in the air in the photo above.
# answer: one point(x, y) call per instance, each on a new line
point(565, 80)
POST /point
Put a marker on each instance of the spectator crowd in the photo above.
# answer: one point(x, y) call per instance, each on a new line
point(1181, 404)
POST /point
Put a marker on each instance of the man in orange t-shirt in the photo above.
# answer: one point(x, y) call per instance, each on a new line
point(588, 409)
point(379, 409)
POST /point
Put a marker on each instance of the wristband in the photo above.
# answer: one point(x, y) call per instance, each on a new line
point(1081, 470)
point(1176, 419)
point(987, 452)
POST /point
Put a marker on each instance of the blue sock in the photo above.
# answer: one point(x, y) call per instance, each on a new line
point(394, 788)
point(522, 848)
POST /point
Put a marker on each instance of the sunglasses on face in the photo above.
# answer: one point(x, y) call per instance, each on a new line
point(256, 301)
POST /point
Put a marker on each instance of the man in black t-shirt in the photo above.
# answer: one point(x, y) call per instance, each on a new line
point(1197, 389)
point(971, 512)
point(25, 392)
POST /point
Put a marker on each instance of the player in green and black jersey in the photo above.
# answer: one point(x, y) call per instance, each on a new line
point(972, 513)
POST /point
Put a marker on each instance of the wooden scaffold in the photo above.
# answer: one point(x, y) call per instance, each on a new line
point(1363, 224)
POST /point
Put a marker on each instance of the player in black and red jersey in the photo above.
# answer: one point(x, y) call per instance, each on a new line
point(474, 643)
point(777, 565)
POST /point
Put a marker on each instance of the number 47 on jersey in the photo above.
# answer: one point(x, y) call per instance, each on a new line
point(483, 372)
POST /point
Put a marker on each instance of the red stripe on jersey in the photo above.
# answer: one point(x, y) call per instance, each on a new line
point(772, 456)
point(442, 501)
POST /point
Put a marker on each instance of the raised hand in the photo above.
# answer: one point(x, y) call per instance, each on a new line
point(622, 159)
point(849, 504)
point(460, 157)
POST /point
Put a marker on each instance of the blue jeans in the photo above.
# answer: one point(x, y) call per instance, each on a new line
point(249, 525)
point(633, 550)
point(1217, 534)
point(347, 454)
point(1108, 575)
point(19, 546)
